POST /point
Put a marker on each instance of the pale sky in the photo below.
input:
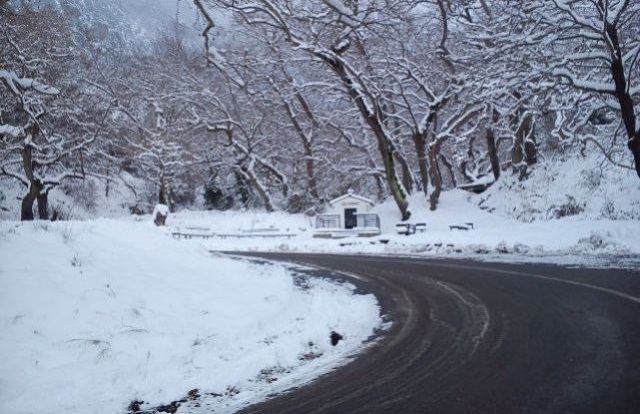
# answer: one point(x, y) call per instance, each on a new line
point(154, 14)
point(149, 15)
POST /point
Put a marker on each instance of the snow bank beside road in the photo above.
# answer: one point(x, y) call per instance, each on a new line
point(97, 314)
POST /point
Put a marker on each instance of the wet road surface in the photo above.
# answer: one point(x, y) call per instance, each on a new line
point(473, 337)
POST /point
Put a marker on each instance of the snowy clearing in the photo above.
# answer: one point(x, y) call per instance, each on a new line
point(98, 314)
point(572, 239)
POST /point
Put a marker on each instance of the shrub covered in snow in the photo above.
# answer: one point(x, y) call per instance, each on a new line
point(566, 185)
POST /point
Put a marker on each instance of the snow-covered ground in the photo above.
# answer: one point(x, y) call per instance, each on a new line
point(579, 237)
point(571, 209)
point(567, 185)
point(101, 313)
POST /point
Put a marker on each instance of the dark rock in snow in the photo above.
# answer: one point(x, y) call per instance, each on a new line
point(169, 408)
point(335, 338)
point(134, 406)
point(194, 394)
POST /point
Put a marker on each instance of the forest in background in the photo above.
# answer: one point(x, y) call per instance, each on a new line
point(285, 104)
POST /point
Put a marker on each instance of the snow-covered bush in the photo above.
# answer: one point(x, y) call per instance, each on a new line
point(569, 208)
point(215, 197)
point(565, 185)
point(83, 194)
point(61, 211)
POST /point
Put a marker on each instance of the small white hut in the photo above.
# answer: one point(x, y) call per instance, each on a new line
point(348, 215)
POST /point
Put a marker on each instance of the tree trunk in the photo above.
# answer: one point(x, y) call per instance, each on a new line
point(423, 165)
point(164, 196)
point(395, 187)
point(471, 158)
point(380, 186)
point(524, 151)
point(634, 146)
point(268, 206)
point(492, 152)
point(436, 179)
point(624, 99)
point(26, 209)
point(250, 176)
point(449, 166)
point(385, 146)
point(492, 148)
point(305, 138)
point(43, 205)
point(242, 186)
point(311, 176)
point(107, 183)
point(311, 180)
point(379, 179)
point(530, 146)
point(171, 197)
point(407, 178)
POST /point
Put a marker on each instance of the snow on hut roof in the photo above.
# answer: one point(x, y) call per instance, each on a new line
point(351, 195)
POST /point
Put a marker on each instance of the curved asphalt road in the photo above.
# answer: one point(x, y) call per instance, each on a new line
point(472, 337)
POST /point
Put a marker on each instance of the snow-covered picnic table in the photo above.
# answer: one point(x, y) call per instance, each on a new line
point(409, 228)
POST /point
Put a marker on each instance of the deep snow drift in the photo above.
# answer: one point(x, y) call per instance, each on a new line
point(100, 313)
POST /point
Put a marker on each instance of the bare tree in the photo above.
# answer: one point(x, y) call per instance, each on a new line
point(592, 48)
point(332, 49)
point(42, 137)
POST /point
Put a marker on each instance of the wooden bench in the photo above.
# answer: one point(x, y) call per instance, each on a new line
point(466, 227)
point(189, 235)
point(197, 228)
point(261, 235)
point(189, 232)
point(405, 228)
point(408, 228)
point(260, 230)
